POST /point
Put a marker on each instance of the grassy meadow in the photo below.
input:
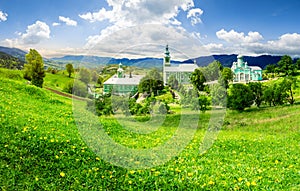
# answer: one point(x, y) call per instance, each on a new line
point(42, 148)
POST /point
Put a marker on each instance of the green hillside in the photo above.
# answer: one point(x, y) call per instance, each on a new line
point(42, 149)
point(8, 61)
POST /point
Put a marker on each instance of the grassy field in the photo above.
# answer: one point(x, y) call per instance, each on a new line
point(57, 81)
point(42, 148)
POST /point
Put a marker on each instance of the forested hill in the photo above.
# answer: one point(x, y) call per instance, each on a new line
point(227, 60)
point(10, 62)
point(15, 52)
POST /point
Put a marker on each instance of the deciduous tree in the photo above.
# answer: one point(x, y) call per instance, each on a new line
point(34, 68)
point(239, 97)
point(70, 69)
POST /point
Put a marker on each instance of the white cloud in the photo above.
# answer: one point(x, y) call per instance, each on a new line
point(55, 24)
point(68, 21)
point(34, 34)
point(139, 41)
point(127, 17)
point(236, 37)
point(253, 44)
point(195, 14)
point(3, 16)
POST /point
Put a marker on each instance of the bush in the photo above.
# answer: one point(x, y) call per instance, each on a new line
point(240, 96)
point(79, 89)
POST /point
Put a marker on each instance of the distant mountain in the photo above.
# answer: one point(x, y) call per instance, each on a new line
point(227, 60)
point(15, 52)
point(10, 62)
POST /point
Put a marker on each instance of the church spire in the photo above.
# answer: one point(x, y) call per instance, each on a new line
point(167, 57)
point(120, 71)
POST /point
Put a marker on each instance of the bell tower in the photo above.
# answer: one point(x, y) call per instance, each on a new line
point(167, 59)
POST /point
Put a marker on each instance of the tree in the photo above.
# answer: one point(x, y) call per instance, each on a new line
point(226, 77)
point(213, 71)
point(298, 64)
point(151, 83)
point(100, 81)
point(257, 91)
point(270, 68)
point(275, 93)
point(70, 69)
point(239, 97)
point(34, 68)
point(218, 94)
point(173, 82)
point(84, 75)
point(197, 78)
point(286, 65)
point(290, 83)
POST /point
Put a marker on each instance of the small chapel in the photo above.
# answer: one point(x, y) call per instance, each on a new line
point(121, 83)
point(244, 73)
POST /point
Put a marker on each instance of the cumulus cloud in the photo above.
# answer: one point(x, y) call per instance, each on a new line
point(194, 15)
point(55, 24)
point(3, 16)
point(67, 20)
point(253, 44)
point(128, 42)
point(236, 37)
point(35, 33)
point(131, 19)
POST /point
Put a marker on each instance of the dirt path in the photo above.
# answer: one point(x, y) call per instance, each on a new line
point(65, 94)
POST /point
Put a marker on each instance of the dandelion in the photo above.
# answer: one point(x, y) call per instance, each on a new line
point(36, 179)
point(240, 179)
point(276, 162)
point(253, 183)
point(260, 177)
point(56, 156)
point(130, 182)
point(132, 172)
point(210, 182)
point(62, 174)
point(248, 183)
point(190, 174)
point(97, 158)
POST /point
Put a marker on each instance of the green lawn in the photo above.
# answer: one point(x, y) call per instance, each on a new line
point(42, 148)
point(57, 81)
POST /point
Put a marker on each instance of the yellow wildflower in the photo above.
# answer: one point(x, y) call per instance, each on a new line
point(62, 174)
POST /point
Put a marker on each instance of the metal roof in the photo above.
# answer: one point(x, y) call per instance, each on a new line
point(114, 80)
point(181, 68)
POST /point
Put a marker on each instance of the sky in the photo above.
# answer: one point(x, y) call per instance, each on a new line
point(142, 28)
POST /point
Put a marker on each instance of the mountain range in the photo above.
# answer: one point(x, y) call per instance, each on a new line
point(96, 61)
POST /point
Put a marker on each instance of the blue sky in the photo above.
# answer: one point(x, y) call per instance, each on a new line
point(139, 28)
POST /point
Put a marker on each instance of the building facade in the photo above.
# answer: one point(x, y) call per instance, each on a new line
point(244, 73)
point(121, 84)
point(182, 72)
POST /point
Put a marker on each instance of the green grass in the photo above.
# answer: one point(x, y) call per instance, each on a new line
point(42, 148)
point(57, 81)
